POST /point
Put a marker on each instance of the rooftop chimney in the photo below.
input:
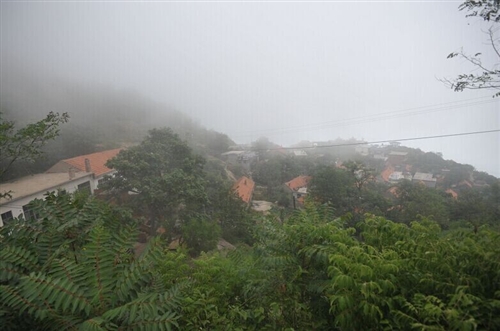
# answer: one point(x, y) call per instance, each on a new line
point(87, 166)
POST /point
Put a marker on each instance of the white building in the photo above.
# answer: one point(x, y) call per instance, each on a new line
point(78, 173)
point(396, 176)
point(29, 188)
point(425, 178)
point(299, 152)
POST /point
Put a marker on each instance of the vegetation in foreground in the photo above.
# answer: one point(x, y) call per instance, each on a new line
point(76, 269)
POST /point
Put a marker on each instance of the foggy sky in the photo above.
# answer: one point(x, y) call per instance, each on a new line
point(287, 71)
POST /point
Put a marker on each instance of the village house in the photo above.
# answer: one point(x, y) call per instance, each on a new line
point(397, 158)
point(425, 178)
point(380, 156)
point(94, 163)
point(232, 157)
point(396, 176)
point(81, 173)
point(452, 193)
point(299, 152)
point(26, 189)
point(244, 189)
point(464, 185)
point(298, 189)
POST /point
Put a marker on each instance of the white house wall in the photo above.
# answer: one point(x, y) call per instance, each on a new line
point(16, 206)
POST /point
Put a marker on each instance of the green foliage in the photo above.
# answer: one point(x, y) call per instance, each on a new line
point(232, 215)
point(167, 178)
point(276, 170)
point(75, 269)
point(200, 235)
point(334, 186)
point(26, 143)
point(414, 200)
point(309, 271)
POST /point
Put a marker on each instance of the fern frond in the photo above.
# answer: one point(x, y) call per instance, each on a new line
point(132, 279)
point(19, 256)
point(50, 245)
point(93, 324)
point(62, 294)
point(11, 297)
point(10, 272)
point(146, 307)
point(99, 257)
point(159, 323)
point(67, 268)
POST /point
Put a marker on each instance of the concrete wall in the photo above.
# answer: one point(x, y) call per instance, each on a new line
point(16, 206)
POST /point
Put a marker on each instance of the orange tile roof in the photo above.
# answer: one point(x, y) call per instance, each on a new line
point(298, 182)
point(387, 172)
point(453, 193)
point(394, 191)
point(465, 182)
point(244, 188)
point(97, 161)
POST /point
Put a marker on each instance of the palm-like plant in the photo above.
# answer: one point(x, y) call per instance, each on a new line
point(74, 269)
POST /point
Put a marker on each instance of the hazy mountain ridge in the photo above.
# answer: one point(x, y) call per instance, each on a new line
point(100, 117)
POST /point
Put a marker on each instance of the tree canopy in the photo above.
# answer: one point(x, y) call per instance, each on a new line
point(163, 174)
point(26, 143)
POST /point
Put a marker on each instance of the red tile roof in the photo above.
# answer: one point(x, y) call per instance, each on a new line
point(466, 183)
point(298, 182)
point(394, 191)
point(244, 188)
point(97, 161)
point(386, 173)
point(453, 193)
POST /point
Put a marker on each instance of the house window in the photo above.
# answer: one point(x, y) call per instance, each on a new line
point(29, 213)
point(85, 187)
point(6, 217)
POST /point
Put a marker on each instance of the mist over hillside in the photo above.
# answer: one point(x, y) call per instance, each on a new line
point(101, 117)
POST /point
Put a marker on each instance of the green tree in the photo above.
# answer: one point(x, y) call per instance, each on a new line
point(25, 144)
point(165, 176)
point(414, 200)
point(335, 187)
point(456, 175)
point(471, 206)
point(75, 269)
point(361, 174)
point(232, 215)
point(200, 234)
point(493, 203)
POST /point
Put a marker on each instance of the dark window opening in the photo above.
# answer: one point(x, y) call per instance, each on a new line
point(85, 187)
point(29, 213)
point(6, 217)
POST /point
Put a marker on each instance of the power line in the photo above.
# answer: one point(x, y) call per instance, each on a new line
point(375, 117)
point(385, 141)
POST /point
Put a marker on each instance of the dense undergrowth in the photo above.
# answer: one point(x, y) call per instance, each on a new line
point(76, 269)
